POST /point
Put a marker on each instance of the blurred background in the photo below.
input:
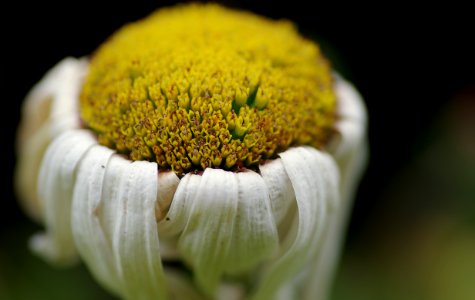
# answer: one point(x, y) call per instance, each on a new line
point(412, 232)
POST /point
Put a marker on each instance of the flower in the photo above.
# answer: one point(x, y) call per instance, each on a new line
point(199, 153)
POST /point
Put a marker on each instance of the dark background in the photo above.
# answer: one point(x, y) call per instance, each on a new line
point(414, 66)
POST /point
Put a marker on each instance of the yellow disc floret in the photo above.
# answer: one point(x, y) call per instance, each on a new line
point(200, 86)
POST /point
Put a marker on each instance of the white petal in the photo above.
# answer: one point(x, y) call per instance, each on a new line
point(57, 89)
point(55, 189)
point(350, 103)
point(53, 101)
point(175, 222)
point(65, 108)
point(135, 238)
point(282, 200)
point(42, 120)
point(310, 172)
point(179, 212)
point(254, 237)
point(351, 156)
point(323, 264)
point(27, 169)
point(123, 252)
point(279, 187)
point(91, 241)
point(352, 117)
point(227, 224)
point(177, 215)
point(206, 238)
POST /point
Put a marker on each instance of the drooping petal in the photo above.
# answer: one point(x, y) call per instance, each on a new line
point(53, 97)
point(179, 212)
point(351, 156)
point(92, 243)
point(44, 118)
point(310, 172)
point(168, 183)
point(206, 238)
point(64, 111)
point(135, 238)
point(352, 121)
point(27, 169)
point(124, 253)
point(279, 187)
point(281, 194)
point(173, 223)
point(254, 238)
point(323, 262)
point(55, 189)
point(230, 226)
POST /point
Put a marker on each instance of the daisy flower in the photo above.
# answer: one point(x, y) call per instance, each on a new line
point(200, 153)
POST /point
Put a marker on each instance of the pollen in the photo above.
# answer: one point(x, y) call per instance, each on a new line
point(198, 86)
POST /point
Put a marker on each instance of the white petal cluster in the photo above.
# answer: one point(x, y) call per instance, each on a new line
point(274, 234)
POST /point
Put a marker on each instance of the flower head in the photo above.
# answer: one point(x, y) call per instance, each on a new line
point(199, 153)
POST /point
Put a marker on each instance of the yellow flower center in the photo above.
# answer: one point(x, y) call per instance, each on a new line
point(200, 86)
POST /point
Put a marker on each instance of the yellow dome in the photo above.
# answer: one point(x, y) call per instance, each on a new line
point(197, 86)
